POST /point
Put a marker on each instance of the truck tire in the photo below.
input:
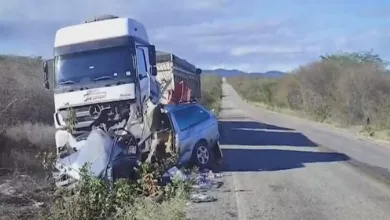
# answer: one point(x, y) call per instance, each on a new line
point(202, 155)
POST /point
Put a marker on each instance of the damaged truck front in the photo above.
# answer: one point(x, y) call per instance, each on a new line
point(101, 74)
point(110, 101)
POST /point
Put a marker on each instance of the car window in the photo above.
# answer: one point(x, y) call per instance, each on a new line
point(141, 62)
point(190, 116)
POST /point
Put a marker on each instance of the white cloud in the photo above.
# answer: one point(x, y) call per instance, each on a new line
point(277, 49)
point(250, 67)
point(210, 33)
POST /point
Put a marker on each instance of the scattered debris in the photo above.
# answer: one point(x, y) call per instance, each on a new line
point(174, 171)
point(7, 189)
point(204, 181)
point(38, 204)
point(201, 197)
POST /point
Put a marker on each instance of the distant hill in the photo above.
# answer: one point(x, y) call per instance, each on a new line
point(234, 72)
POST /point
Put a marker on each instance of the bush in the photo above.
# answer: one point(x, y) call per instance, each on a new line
point(94, 199)
point(350, 88)
point(211, 91)
point(256, 88)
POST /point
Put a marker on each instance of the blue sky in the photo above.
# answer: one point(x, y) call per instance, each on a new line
point(251, 35)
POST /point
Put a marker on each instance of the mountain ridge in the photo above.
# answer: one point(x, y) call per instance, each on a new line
point(235, 72)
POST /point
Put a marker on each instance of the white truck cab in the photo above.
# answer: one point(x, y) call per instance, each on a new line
point(105, 63)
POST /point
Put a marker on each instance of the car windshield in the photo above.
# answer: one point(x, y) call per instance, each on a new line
point(95, 65)
point(190, 116)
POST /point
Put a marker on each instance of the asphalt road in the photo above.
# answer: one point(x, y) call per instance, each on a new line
point(281, 167)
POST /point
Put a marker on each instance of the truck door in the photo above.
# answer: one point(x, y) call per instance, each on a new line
point(142, 71)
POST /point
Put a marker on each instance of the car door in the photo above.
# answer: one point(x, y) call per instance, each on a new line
point(208, 129)
point(142, 72)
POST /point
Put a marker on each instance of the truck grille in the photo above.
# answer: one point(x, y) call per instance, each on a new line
point(87, 114)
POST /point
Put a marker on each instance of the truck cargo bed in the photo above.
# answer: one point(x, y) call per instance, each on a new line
point(162, 57)
point(181, 78)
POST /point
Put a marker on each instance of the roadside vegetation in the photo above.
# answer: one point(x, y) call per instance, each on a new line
point(27, 145)
point(346, 89)
point(26, 113)
point(211, 91)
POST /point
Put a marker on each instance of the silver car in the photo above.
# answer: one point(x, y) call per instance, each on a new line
point(196, 134)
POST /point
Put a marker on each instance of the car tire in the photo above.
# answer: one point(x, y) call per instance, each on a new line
point(202, 156)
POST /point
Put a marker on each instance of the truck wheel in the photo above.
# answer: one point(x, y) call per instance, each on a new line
point(202, 156)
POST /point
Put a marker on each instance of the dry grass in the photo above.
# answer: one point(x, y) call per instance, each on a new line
point(22, 144)
point(26, 110)
point(23, 98)
point(147, 210)
point(37, 134)
point(22, 196)
point(343, 90)
point(25, 185)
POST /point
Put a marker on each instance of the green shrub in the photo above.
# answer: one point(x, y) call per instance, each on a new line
point(211, 91)
point(94, 199)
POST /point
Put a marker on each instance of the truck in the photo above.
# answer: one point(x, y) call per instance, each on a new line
point(104, 63)
point(107, 64)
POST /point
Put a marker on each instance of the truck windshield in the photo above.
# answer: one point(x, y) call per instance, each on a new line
point(114, 63)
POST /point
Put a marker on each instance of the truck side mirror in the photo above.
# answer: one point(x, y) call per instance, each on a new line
point(198, 71)
point(152, 55)
point(46, 75)
point(152, 60)
point(153, 71)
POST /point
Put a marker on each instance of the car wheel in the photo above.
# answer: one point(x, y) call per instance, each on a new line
point(202, 156)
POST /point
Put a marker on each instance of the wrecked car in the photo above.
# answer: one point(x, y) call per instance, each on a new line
point(188, 130)
point(196, 134)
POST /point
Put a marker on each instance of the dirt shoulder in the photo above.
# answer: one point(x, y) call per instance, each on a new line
point(382, 136)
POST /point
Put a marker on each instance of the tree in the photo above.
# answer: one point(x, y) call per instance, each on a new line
point(365, 57)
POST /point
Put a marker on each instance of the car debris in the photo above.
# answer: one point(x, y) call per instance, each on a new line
point(202, 197)
point(206, 181)
point(97, 150)
point(174, 172)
